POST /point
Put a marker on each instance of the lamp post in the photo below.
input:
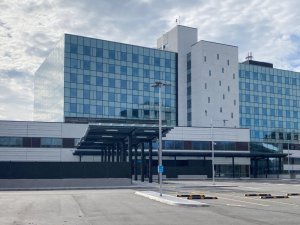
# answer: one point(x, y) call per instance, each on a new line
point(289, 169)
point(213, 148)
point(212, 151)
point(159, 84)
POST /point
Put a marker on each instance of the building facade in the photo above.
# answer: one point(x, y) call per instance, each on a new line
point(91, 80)
point(269, 106)
point(86, 79)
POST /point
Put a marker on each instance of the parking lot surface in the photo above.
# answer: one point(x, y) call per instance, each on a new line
point(122, 206)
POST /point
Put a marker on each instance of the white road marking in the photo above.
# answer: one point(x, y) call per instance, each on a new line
point(284, 203)
point(235, 205)
point(235, 200)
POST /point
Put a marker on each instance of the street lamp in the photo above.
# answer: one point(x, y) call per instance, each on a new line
point(289, 160)
point(159, 84)
point(213, 148)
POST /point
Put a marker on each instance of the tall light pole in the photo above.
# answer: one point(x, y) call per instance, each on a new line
point(213, 148)
point(212, 151)
point(289, 169)
point(159, 84)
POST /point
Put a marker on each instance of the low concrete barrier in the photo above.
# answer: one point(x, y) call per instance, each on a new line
point(80, 183)
point(192, 176)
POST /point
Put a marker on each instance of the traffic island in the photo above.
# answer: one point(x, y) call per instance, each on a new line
point(169, 199)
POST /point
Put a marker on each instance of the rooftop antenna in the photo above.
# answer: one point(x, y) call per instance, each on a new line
point(249, 56)
point(178, 20)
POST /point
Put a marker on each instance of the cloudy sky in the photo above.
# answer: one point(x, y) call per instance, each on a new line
point(29, 30)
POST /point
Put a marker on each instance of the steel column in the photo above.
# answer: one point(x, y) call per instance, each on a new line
point(150, 162)
point(142, 162)
point(135, 163)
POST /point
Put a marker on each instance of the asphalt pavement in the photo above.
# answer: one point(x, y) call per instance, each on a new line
point(123, 206)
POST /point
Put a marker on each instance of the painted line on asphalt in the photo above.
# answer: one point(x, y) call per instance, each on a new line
point(252, 187)
point(235, 205)
point(283, 203)
point(235, 200)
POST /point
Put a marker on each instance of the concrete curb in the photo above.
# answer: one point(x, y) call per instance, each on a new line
point(170, 200)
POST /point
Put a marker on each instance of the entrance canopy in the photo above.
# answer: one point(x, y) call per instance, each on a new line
point(102, 135)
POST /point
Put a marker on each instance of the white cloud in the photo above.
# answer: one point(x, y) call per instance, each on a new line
point(29, 30)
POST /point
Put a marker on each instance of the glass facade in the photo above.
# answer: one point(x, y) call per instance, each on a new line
point(269, 104)
point(49, 87)
point(105, 80)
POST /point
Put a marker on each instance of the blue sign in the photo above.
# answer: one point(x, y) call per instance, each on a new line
point(160, 169)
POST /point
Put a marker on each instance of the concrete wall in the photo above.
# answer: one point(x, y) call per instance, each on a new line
point(204, 134)
point(215, 86)
point(180, 39)
point(40, 129)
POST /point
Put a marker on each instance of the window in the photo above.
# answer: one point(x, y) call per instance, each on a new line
point(135, 99)
point(233, 76)
point(156, 61)
point(111, 68)
point(87, 79)
point(87, 50)
point(123, 98)
point(51, 142)
point(204, 58)
point(218, 56)
point(156, 75)
point(135, 85)
point(208, 100)
point(86, 108)
point(99, 95)
point(123, 113)
point(99, 52)
point(168, 63)
point(222, 69)
point(205, 85)
point(221, 109)
point(73, 92)
point(135, 71)
point(75, 63)
point(99, 67)
point(135, 113)
point(111, 97)
point(205, 112)
point(123, 84)
point(73, 78)
point(146, 100)
point(99, 81)
point(99, 109)
point(223, 96)
point(111, 111)
point(123, 70)
point(146, 60)
point(135, 58)
point(86, 65)
point(123, 56)
point(73, 48)
point(11, 142)
point(86, 94)
point(147, 87)
point(111, 82)
point(231, 115)
point(73, 107)
point(234, 102)
point(146, 113)
point(220, 83)
point(228, 62)
point(167, 89)
point(167, 102)
point(111, 54)
point(209, 72)
point(228, 88)
point(147, 74)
